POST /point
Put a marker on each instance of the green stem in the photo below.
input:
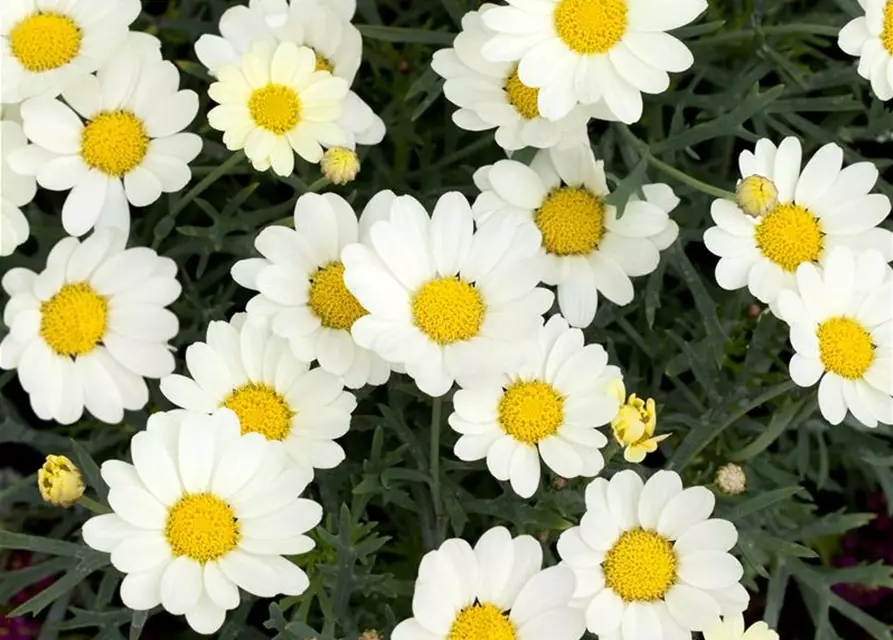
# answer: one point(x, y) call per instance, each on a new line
point(436, 411)
point(681, 176)
point(318, 185)
point(207, 181)
point(92, 505)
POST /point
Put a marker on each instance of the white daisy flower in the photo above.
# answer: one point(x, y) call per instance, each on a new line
point(302, 290)
point(274, 104)
point(16, 190)
point(807, 214)
point(584, 51)
point(324, 27)
point(445, 301)
point(244, 367)
point(841, 320)
point(649, 560)
point(549, 406)
point(588, 247)
point(200, 513)
point(490, 95)
point(496, 590)
point(732, 628)
point(48, 45)
point(870, 38)
point(117, 141)
point(85, 331)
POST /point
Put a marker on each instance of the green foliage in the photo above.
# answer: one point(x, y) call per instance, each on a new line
point(716, 367)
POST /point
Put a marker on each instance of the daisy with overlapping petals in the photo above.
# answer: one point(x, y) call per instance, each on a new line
point(117, 141)
point(274, 104)
point(589, 248)
point(804, 215)
point(649, 560)
point(496, 590)
point(445, 301)
point(324, 27)
point(841, 320)
point(244, 367)
point(16, 190)
point(870, 38)
point(202, 512)
point(549, 406)
point(584, 51)
point(85, 331)
point(48, 45)
point(732, 628)
point(302, 290)
point(490, 95)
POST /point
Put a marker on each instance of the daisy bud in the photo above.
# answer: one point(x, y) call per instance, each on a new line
point(60, 482)
point(731, 479)
point(756, 195)
point(340, 165)
point(370, 634)
point(634, 424)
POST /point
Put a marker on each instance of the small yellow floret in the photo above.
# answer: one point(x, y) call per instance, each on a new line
point(634, 424)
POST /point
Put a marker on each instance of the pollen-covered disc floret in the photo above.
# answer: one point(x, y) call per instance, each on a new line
point(445, 301)
point(86, 330)
point(491, 95)
point(870, 38)
point(264, 100)
point(18, 190)
point(325, 30)
point(493, 591)
point(202, 512)
point(113, 146)
point(619, 47)
point(244, 367)
point(302, 294)
point(588, 247)
point(840, 320)
point(649, 560)
point(547, 406)
point(47, 46)
point(784, 217)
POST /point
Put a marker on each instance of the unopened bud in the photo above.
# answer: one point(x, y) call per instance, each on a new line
point(60, 482)
point(731, 479)
point(370, 634)
point(756, 195)
point(340, 165)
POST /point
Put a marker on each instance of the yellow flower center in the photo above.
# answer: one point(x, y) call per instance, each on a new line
point(530, 411)
point(73, 321)
point(330, 300)
point(845, 347)
point(448, 310)
point(591, 26)
point(641, 566)
point(756, 195)
point(482, 622)
point(115, 142)
point(572, 221)
point(261, 410)
point(521, 97)
point(275, 107)
point(887, 33)
point(45, 41)
point(323, 63)
point(790, 235)
point(201, 527)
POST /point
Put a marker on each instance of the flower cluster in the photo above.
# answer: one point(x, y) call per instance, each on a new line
point(483, 303)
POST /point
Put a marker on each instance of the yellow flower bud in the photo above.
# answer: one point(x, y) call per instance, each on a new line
point(370, 634)
point(634, 424)
point(756, 195)
point(340, 165)
point(60, 482)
